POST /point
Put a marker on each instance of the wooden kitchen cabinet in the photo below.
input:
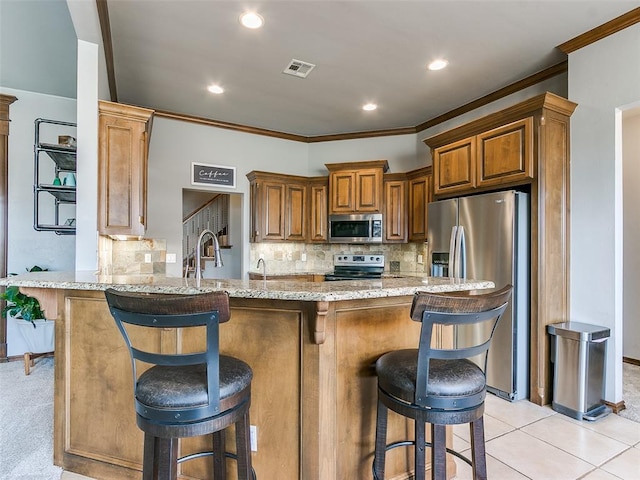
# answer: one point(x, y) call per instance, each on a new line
point(278, 207)
point(123, 139)
point(454, 166)
point(356, 187)
point(525, 146)
point(420, 194)
point(505, 154)
point(295, 225)
point(395, 208)
point(319, 203)
point(496, 157)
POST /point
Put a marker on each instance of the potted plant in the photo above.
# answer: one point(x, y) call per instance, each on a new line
point(28, 315)
point(21, 306)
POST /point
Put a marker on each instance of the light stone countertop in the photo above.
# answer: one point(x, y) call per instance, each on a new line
point(270, 289)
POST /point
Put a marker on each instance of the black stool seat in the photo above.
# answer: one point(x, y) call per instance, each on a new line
point(397, 372)
point(185, 394)
point(439, 386)
point(186, 386)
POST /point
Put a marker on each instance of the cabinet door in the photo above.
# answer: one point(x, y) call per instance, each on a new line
point(368, 195)
point(454, 167)
point(296, 212)
point(395, 209)
point(273, 201)
point(122, 169)
point(342, 191)
point(256, 212)
point(505, 154)
point(318, 218)
point(419, 198)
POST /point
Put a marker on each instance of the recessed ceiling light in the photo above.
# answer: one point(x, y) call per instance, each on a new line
point(217, 89)
point(369, 107)
point(251, 20)
point(438, 64)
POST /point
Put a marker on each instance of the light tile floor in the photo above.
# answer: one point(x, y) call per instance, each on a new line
point(526, 441)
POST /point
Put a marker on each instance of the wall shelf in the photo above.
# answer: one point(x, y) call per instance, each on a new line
point(64, 162)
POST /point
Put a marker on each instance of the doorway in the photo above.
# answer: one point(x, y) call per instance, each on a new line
point(222, 214)
point(631, 260)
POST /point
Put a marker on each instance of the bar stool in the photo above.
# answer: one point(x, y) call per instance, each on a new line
point(439, 386)
point(185, 395)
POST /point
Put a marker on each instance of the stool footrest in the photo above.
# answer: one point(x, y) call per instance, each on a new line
point(193, 456)
point(411, 443)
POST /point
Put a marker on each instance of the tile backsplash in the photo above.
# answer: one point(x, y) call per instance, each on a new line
point(132, 257)
point(148, 256)
point(289, 257)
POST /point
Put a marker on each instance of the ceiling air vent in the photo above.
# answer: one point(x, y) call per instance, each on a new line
point(298, 68)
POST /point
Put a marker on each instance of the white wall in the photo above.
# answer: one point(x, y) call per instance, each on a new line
point(87, 174)
point(631, 235)
point(399, 150)
point(26, 246)
point(408, 152)
point(603, 77)
point(175, 144)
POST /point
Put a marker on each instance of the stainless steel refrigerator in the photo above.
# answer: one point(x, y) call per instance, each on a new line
point(486, 237)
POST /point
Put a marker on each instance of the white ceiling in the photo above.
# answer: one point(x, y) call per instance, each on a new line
point(167, 52)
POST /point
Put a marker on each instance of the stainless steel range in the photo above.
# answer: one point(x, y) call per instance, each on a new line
point(348, 266)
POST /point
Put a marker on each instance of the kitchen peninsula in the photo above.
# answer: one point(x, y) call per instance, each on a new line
point(311, 345)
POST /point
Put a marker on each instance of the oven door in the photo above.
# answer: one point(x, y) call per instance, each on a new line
point(362, 273)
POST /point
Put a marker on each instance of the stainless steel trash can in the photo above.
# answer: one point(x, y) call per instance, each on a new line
point(578, 352)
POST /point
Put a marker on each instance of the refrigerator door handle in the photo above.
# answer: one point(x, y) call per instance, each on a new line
point(461, 254)
point(452, 251)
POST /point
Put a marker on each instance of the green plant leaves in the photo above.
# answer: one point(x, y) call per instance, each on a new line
point(22, 306)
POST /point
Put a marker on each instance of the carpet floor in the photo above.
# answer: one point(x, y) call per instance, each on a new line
point(631, 391)
point(26, 416)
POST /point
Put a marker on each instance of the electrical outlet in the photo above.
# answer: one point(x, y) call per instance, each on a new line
point(171, 258)
point(420, 259)
point(147, 258)
point(303, 257)
point(253, 433)
point(261, 255)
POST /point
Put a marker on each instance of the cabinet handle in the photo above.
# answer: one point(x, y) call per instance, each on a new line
point(141, 219)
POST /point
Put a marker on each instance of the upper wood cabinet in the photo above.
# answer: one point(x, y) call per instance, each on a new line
point(296, 215)
point(319, 201)
point(123, 139)
point(395, 208)
point(420, 194)
point(356, 187)
point(505, 154)
point(454, 166)
point(499, 156)
point(279, 207)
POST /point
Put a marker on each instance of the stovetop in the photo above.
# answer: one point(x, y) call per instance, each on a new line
point(349, 266)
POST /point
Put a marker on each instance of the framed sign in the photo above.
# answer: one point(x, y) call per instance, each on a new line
point(213, 175)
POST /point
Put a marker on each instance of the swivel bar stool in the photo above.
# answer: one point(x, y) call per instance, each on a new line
point(185, 395)
point(440, 386)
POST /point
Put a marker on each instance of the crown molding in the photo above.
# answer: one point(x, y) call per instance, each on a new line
point(492, 97)
point(620, 23)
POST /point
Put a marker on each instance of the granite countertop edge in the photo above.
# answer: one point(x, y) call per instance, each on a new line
point(292, 290)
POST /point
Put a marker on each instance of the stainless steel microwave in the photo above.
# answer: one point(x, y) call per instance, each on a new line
point(355, 228)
